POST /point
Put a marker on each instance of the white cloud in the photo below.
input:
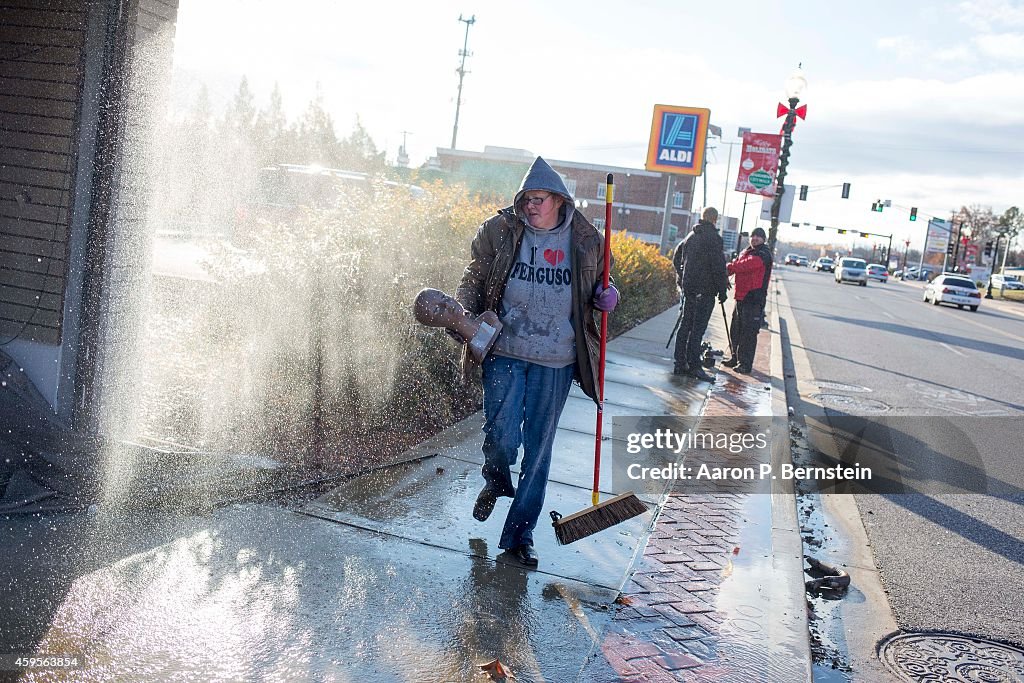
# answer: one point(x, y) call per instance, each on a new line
point(903, 46)
point(960, 54)
point(1008, 46)
point(984, 15)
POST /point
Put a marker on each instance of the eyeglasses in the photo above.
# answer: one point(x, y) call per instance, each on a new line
point(536, 201)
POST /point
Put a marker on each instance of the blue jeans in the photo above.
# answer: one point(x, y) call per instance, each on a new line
point(522, 404)
point(697, 309)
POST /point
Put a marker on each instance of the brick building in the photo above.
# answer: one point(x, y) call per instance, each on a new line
point(640, 195)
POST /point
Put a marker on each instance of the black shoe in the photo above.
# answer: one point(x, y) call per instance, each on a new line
point(680, 370)
point(731, 363)
point(485, 501)
point(701, 375)
point(743, 369)
point(526, 555)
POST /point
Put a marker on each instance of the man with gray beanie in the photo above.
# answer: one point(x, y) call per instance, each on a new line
point(753, 269)
point(699, 261)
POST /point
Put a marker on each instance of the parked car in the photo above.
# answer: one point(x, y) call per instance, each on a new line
point(1006, 282)
point(852, 270)
point(952, 288)
point(917, 273)
point(826, 264)
point(876, 271)
point(792, 260)
point(801, 261)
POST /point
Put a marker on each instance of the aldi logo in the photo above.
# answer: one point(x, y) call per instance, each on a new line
point(678, 137)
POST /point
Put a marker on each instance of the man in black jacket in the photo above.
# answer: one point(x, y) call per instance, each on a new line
point(699, 261)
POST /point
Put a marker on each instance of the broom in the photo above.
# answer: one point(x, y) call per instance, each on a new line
point(599, 516)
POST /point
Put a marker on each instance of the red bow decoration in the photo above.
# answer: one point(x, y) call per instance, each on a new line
point(800, 111)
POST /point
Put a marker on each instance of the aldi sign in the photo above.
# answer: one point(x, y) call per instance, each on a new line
point(678, 137)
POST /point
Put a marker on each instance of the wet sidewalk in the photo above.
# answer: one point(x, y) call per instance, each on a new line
point(388, 577)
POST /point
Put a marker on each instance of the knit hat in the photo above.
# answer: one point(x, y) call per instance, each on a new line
point(758, 232)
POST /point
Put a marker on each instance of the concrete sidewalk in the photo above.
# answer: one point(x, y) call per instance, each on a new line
point(388, 577)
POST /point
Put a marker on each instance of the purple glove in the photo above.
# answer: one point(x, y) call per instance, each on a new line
point(606, 299)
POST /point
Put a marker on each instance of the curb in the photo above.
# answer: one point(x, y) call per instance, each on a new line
point(787, 544)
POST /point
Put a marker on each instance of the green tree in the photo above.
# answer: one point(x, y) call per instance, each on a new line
point(240, 116)
point(359, 152)
point(317, 140)
point(275, 138)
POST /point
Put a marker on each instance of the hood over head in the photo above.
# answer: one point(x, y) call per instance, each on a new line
point(542, 177)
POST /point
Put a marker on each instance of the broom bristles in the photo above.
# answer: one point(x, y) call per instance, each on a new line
point(598, 518)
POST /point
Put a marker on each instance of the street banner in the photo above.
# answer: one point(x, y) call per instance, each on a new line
point(785, 208)
point(678, 138)
point(938, 236)
point(759, 164)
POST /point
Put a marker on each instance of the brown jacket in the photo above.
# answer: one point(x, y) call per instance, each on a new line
point(483, 283)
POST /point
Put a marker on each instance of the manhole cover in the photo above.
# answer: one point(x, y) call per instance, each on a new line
point(839, 386)
point(939, 657)
point(851, 403)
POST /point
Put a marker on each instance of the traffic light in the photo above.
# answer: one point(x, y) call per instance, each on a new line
point(878, 206)
point(913, 213)
point(803, 193)
point(874, 206)
point(988, 249)
point(846, 190)
point(949, 247)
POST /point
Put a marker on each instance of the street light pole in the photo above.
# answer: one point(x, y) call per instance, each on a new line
point(795, 85)
point(995, 257)
point(956, 248)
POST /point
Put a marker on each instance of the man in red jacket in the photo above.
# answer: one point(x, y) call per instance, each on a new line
point(752, 269)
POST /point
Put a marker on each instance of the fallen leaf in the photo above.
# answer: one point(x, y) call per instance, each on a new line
point(497, 671)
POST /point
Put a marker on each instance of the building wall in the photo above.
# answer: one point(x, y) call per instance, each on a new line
point(68, 190)
point(42, 55)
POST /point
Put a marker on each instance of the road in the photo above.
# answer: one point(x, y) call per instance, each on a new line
point(937, 392)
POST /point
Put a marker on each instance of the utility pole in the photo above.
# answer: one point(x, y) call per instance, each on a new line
point(462, 74)
point(403, 153)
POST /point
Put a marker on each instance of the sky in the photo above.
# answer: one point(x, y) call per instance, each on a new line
point(920, 103)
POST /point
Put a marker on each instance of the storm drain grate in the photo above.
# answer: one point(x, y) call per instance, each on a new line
point(926, 657)
point(862, 405)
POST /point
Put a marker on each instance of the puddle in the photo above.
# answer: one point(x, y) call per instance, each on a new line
point(855, 404)
point(828, 649)
point(839, 386)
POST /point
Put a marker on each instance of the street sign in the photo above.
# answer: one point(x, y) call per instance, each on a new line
point(937, 240)
point(678, 139)
point(759, 162)
point(785, 209)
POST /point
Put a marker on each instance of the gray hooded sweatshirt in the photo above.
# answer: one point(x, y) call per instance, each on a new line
point(536, 310)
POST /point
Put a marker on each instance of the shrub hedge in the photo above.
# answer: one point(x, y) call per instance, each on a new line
point(309, 336)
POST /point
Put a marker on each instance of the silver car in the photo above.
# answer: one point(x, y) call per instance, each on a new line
point(852, 270)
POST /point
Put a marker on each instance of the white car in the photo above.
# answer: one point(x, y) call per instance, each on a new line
point(852, 270)
point(951, 288)
point(1006, 282)
point(825, 263)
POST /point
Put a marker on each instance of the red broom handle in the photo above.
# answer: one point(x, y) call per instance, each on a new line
point(606, 280)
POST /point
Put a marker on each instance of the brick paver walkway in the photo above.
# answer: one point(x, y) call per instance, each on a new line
point(667, 626)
